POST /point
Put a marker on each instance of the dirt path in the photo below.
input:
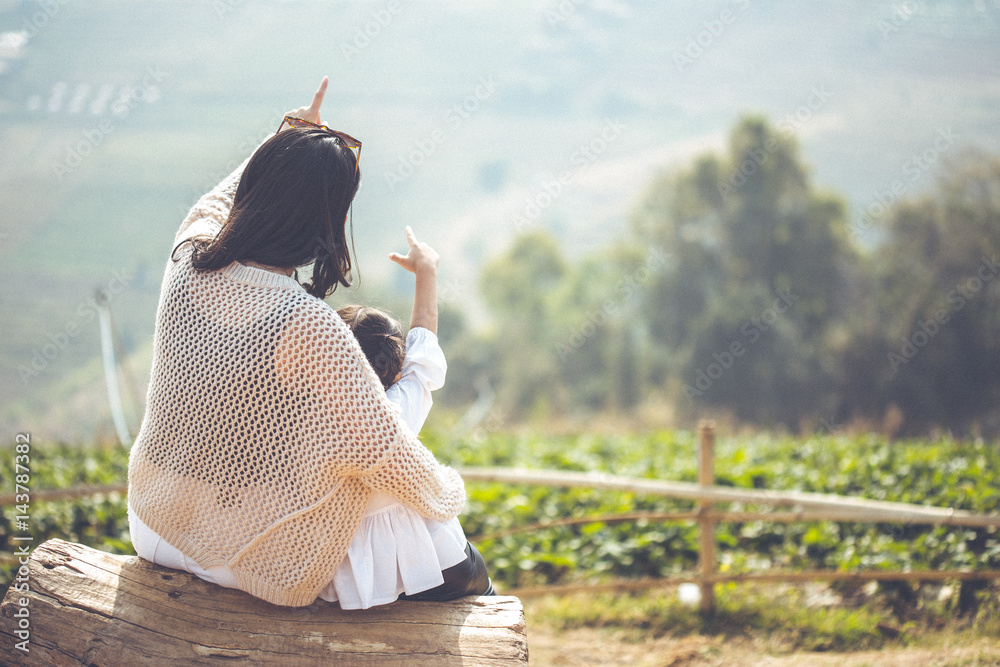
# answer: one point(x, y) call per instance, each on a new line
point(597, 647)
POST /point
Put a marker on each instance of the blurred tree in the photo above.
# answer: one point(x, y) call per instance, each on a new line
point(470, 357)
point(752, 291)
point(597, 313)
point(520, 288)
point(935, 348)
point(568, 336)
point(740, 289)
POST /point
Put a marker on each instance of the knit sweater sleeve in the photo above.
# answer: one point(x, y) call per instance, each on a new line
point(363, 433)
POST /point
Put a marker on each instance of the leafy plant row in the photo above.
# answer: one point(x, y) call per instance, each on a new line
point(963, 475)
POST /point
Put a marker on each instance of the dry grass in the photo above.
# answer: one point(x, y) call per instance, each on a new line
point(614, 648)
point(773, 626)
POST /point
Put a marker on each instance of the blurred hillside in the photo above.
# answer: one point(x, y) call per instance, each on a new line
point(116, 115)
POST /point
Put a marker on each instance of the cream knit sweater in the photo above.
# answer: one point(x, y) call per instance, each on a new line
point(266, 428)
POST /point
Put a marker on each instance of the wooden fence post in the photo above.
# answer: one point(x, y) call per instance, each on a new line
point(706, 552)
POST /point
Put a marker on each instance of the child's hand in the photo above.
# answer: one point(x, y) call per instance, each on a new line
point(420, 259)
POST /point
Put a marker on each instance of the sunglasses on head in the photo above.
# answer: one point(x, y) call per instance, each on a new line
point(346, 139)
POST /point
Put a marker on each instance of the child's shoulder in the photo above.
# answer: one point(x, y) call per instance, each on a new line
point(421, 337)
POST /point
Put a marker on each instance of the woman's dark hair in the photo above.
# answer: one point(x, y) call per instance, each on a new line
point(290, 210)
point(381, 338)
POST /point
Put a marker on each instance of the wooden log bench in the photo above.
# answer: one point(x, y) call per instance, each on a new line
point(87, 607)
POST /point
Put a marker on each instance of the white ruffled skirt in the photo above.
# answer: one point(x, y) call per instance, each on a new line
point(394, 551)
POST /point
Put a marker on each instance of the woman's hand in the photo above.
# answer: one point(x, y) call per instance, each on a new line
point(421, 258)
point(311, 112)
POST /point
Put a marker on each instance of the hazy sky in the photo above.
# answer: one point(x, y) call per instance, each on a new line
point(116, 115)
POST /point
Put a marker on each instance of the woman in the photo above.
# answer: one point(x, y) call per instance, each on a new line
point(266, 430)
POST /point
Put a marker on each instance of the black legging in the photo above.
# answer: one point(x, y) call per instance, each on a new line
point(467, 578)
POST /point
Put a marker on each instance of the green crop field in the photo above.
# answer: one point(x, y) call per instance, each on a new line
point(895, 616)
point(946, 473)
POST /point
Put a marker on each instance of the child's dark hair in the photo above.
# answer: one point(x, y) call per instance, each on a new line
point(381, 338)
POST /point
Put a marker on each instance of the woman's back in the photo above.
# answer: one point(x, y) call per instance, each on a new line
point(266, 431)
point(264, 428)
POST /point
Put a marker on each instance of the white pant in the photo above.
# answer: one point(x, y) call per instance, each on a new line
point(157, 550)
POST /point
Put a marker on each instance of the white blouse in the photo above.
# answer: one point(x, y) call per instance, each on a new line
point(395, 550)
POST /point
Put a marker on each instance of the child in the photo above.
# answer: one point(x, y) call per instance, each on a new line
point(381, 338)
point(388, 558)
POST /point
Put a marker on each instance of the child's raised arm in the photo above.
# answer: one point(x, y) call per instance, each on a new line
point(421, 260)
